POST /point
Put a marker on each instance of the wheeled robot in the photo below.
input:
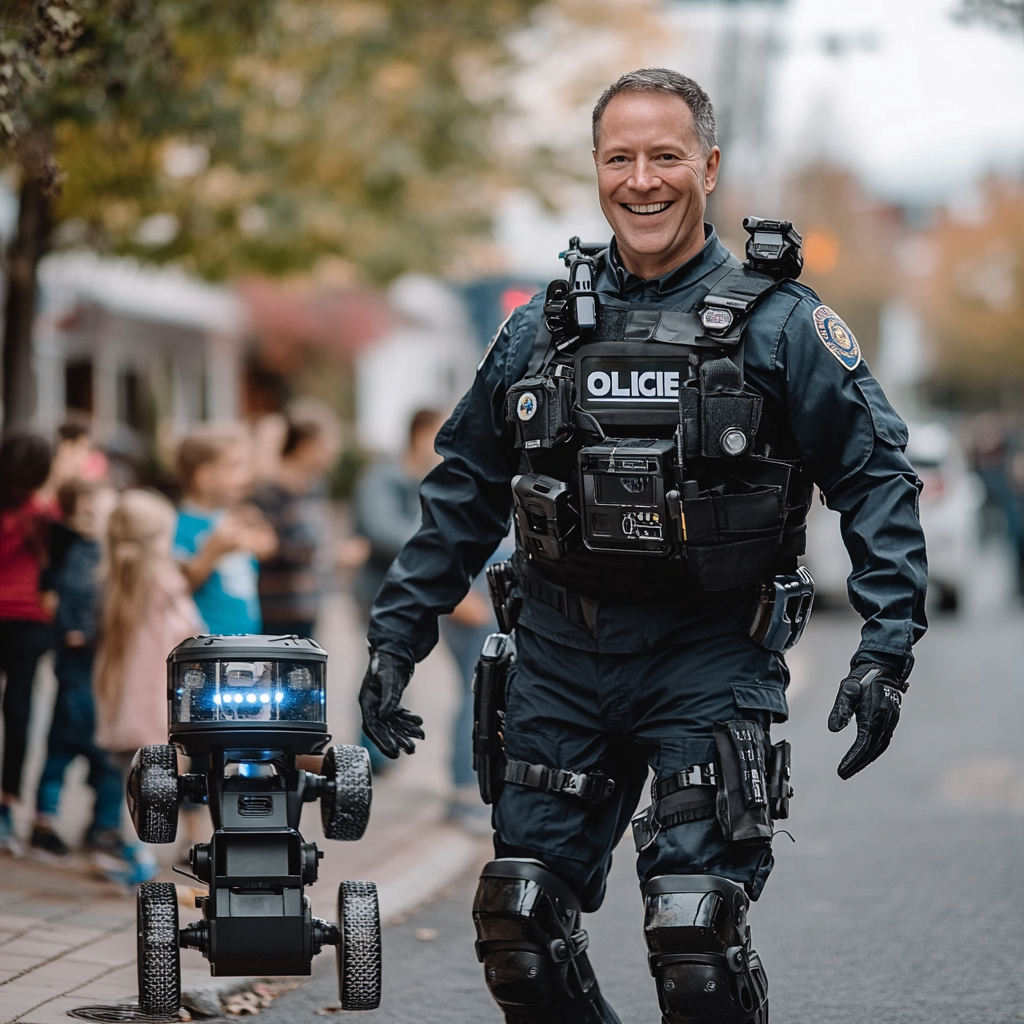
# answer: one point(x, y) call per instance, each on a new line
point(252, 705)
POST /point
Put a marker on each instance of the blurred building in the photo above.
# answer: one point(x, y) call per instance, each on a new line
point(427, 360)
point(128, 347)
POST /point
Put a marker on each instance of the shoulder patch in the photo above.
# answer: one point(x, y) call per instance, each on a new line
point(837, 337)
point(494, 341)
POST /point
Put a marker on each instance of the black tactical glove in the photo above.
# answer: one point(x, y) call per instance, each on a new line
point(872, 694)
point(388, 724)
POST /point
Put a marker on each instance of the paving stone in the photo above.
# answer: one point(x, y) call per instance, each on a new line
point(11, 961)
point(66, 973)
point(55, 1011)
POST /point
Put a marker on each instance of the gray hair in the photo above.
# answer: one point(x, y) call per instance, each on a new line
point(673, 84)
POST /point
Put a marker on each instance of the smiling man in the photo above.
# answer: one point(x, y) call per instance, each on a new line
point(654, 424)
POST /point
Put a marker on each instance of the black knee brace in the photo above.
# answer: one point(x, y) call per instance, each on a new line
point(700, 955)
point(532, 947)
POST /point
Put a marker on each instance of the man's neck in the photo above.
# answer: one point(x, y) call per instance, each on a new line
point(650, 266)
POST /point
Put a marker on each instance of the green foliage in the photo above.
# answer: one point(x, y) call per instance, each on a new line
point(262, 136)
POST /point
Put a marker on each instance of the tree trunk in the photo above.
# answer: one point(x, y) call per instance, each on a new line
point(29, 246)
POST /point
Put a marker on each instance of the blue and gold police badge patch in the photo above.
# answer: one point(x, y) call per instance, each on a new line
point(837, 337)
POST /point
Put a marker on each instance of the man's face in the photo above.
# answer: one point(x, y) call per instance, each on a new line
point(653, 180)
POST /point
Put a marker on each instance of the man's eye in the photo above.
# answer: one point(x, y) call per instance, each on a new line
point(668, 157)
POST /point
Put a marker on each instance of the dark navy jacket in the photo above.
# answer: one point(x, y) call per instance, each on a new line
point(848, 435)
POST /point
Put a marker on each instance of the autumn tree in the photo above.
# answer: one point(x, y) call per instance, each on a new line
point(236, 137)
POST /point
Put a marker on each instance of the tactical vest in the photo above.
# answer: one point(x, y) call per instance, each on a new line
point(649, 469)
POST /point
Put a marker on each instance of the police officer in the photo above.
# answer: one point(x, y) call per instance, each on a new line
point(655, 424)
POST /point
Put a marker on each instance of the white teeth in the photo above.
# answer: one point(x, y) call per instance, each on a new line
point(650, 208)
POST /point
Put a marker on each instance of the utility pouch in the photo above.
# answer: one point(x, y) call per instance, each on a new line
point(503, 587)
point(489, 684)
point(547, 524)
point(780, 610)
point(780, 792)
point(742, 799)
point(539, 409)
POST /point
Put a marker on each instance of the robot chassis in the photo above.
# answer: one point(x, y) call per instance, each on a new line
point(252, 705)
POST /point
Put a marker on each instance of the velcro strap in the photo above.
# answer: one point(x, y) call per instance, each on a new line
point(592, 787)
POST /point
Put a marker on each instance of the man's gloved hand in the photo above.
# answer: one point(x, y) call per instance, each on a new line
point(871, 693)
point(385, 721)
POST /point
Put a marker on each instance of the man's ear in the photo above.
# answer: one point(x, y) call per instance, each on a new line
point(711, 174)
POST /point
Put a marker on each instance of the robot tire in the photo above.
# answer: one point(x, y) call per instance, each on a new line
point(359, 950)
point(159, 956)
point(345, 806)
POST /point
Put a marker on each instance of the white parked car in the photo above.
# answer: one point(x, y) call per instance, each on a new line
point(950, 503)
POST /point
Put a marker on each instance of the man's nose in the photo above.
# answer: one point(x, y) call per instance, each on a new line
point(645, 176)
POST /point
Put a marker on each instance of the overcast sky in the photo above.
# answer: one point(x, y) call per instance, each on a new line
point(933, 105)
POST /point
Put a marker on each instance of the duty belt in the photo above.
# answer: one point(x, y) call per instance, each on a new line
point(572, 606)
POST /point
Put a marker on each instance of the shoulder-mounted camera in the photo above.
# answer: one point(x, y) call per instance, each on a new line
point(773, 247)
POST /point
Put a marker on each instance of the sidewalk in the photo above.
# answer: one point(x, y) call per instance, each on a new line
point(67, 939)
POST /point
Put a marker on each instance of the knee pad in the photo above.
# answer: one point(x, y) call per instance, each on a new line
point(531, 945)
point(700, 955)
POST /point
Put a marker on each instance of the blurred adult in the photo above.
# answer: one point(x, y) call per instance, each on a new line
point(387, 508)
point(291, 580)
point(25, 633)
point(656, 423)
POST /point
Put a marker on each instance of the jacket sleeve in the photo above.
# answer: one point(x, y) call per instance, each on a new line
point(466, 503)
point(853, 442)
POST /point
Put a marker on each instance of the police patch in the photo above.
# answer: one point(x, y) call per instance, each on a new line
point(527, 405)
point(837, 337)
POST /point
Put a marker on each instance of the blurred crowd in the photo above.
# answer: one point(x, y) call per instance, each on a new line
point(110, 577)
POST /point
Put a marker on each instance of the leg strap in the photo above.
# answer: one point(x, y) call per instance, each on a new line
point(688, 795)
point(592, 787)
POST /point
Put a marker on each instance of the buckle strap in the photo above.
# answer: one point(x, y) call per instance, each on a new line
point(695, 775)
point(591, 787)
point(691, 794)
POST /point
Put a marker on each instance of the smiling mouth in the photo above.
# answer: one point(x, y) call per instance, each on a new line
point(648, 209)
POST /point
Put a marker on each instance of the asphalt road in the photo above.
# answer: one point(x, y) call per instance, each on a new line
point(901, 901)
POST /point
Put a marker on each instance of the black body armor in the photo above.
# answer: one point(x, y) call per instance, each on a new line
point(649, 470)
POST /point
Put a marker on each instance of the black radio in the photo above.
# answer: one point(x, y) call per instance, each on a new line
point(623, 485)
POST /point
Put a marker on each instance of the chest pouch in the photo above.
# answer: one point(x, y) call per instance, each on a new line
point(539, 409)
point(717, 418)
point(547, 523)
point(624, 485)
point(732, 525)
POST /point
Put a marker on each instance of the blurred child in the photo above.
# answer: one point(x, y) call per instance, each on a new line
point(24, 616)
point(147, 610)
point(73, 574)
point(219, 541)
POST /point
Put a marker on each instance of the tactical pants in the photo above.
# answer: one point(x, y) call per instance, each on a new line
point(620, 713)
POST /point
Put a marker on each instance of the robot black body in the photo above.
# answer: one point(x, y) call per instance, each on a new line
point(252, 705)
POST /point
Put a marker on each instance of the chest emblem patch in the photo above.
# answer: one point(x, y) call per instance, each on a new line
point(837, 337)
point(527, 406)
